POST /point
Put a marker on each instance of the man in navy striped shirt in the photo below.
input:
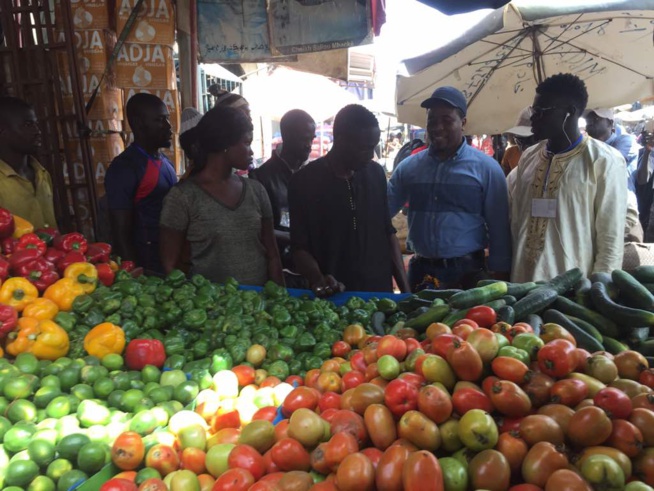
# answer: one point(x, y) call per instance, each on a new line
point(458, 203)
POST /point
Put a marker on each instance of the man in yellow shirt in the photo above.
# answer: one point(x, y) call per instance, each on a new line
point(25, 186)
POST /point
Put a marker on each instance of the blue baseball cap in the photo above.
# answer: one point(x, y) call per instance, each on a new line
point(452, 96)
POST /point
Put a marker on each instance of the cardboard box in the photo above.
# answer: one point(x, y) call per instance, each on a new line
point(174, 153)
point(92, 48)
point(170, 99)
point(155, 23)
point(103, 150)
point(146, 66)
point(87, 14)
point(108, 105)
point(98, 128)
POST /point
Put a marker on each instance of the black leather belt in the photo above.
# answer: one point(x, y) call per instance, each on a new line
point(451, 261)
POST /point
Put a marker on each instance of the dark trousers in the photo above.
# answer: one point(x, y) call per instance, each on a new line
point(463, 272)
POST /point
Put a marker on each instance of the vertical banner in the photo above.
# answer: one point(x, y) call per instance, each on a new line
point(305, 26)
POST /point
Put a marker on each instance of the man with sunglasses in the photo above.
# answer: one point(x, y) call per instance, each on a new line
point(569, 193)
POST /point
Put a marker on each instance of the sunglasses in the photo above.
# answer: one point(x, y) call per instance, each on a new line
point(539, 111)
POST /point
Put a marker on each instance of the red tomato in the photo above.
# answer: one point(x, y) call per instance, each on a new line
point(128, 451)
point(626, 437)
point(435, 403)
point(463, 330)
point(289, 455)
point(341, 348)
point(267, 413)
point(294, 380)
point(568, 392)
point(234, 480)
point(300, 397)
point(270, 381)
point(194, 459)
point(414, 379)
point(154, 484)
point(328, 414)
point(412, 344)
point(246, 457)
point(465, 361)
point(329, 400)
point(470, 322)
point(400, 396)
point(422, 471)
point(225, 418)
point(614, 402)
point(463, 400)
point(162, 458)
point(374, 454)
point(352, 379)
point(646, 377)
point(557, 358)
point(349, 422)
point(505, 425)
point(391, 345)
point(119, 485)
point(441, 344)
point(244, 374)
point(358, 361)
point(482, 315)
point(509, 399)
point(508, 368)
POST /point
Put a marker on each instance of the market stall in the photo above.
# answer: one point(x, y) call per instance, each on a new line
point(115, 380)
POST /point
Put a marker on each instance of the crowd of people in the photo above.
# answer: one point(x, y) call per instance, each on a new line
point(560, 199)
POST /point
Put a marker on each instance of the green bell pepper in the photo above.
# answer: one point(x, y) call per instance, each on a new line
point(128, 306)
point(231, 286)
point(147, 301)
point(238, 352)
point(305, 342)
point(199, 281)
point(200, 349)
point(281, 318)
point(128, 287)
point(66, 320)
point(175, 362)
point(152, 334)
point(174, 344)
point(529, 343)
point(111, 303)
point(295, 367)
point(93, 317)
point(279, 369)
point(313, 362)
point(114, 318)
point(279, 351)
point(186, 304)
point(195, 318)
point(131, 330)
point(163, 293)
point(202, 377)
point(354, 303)
point(203, 302)
point(221, 359)
point(274, 291)
point(83, 304)
point(290, 331)
point(322, 350)
point(175, 278)
point(517, 353)
point(359, 316)
point(122, 275)
point(204, 363)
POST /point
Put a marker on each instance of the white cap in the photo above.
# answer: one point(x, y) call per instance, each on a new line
point(522, 125)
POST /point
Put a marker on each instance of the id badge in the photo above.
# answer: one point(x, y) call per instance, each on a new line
point(285, 219)
point(543, 208)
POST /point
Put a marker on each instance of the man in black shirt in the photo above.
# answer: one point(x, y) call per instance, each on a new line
point(298, 131)
point(341, 236)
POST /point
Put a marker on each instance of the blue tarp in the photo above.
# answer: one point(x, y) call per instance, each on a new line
point(340, 298)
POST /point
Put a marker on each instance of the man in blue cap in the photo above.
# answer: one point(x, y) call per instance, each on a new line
point(458, 203)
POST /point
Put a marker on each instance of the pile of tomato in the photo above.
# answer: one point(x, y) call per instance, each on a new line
point(491, 407)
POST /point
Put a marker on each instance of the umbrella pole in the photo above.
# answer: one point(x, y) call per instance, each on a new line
point(539, 69)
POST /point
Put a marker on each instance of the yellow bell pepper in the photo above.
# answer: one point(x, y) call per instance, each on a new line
point(84, 274)
point(63, 292)
point(104, 339)
point(22, 227)
point(44, 339)
point(41, 309)
point(18, 292)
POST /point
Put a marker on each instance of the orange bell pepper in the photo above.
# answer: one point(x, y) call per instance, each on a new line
point(22, 227)
point(41, 309)
point(44, 339)
point(18, 292)
point(84, 274)
point(63, 292)
point(104, 339)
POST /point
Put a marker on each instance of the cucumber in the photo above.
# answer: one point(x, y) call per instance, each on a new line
point(509, 299)
point(611, 288)
point(623, 316)
point(487, 282)
point(377, 323)
point(614, 346)
point(638, 335)
point(646, 348)
point(582, 292)
point(584, 340)
point(423, 321)
point(457, 315)
point(478, 296)
point(431, 295)
point(534, 302)
point(506, 314)
point(564, 282)
point(649, 286)
point(644, 274)
point(438, 301)
point(536, 322)
point(587, 326)
point(633, 291)
point(517, 290)
point(605, 326)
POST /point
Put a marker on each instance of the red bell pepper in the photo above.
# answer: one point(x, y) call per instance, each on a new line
point(31, 241)
point(47, 234)
point(7, 225)
point(68, 259)
point(40, 273)
point(73, 242)
point(8, 245)
point(141, 352)
point(4, 268)
point(127, 265)
point(21, 258)
point(106, 275)
point(53, 255)
point(98, 252)
point(8, 319)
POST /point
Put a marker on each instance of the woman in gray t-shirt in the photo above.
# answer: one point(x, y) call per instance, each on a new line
point(226, 219)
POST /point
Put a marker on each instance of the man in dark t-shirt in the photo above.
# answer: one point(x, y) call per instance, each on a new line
point(298, 132)
point(341, 236)
point(137, 182)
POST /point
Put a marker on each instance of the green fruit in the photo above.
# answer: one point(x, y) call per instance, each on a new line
point(92, 457)
point(19, 388)
point(51, 381)
point(44, 395)
point(82, 391)
point(74, 402)
point(70, 445)
point(144, 404)
point(103, 387)
point(186, 392)
point(41, 452)
point(69, 377)
point(67, 426)
point(18, 437)
point(4, 404)
point(48, 435)
point(70, 479)
point(91, 413)
point(146, 473)
point(150, 373)
point(27, 363)
point(161, 394)
point(42, 483)
point(114, 399)
point(113, 361)
point(122, 381)
point(92, 373)
point(91, 360)
point(149, 387)
point(143, 423)
point(98, 433)
point(21, 410)
point(58, 468)
point(58, 407)
point(5, 425)
point(21, 473)
point(130, 399)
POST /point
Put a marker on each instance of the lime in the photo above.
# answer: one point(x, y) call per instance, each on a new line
point(69, 377)
point(70, 479)
point(98, 433)
point(18, 437)
point(58, 468)
point(4, 404)
point(52, 369)
point(103, 387)
point(48, 435)
point(136, 384)
point(92, 360)
point(21, 473)
point(12, 488)
point(27, 363)
point(5, 424)
point(92, 373)
point(41, 415)
point(161, 394)
point(42, 483)
point(114, 399)
point(150, 373)
point(134, 375)
point(113, 361)
point(78, 362)
point(62, 362)
point(143, 404)
point(69, 446)
point(122, 381)
point(47, 424)
point(58, 407)
point(146, 473)
point(82, 391)
point(143, 423)
point(130, 399)
point(90, 412)
point(67, 425)
point(41, 452)
point(160, 415)
point(18, 387)
point(149, 387)
point(44, 395)
point(22, 455)
point(51, 381)
point(74, 402)
point(92, 457)
point(186, 392)
point(21, 410)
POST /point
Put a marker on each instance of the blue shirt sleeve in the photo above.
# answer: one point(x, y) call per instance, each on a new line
point(496, 215)
point(121, 183)
point(397, 191)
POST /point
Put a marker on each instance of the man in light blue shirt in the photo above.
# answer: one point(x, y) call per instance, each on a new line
point(458, 203)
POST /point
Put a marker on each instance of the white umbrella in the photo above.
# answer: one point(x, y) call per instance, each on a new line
point(498, 63)
point(275, 93)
